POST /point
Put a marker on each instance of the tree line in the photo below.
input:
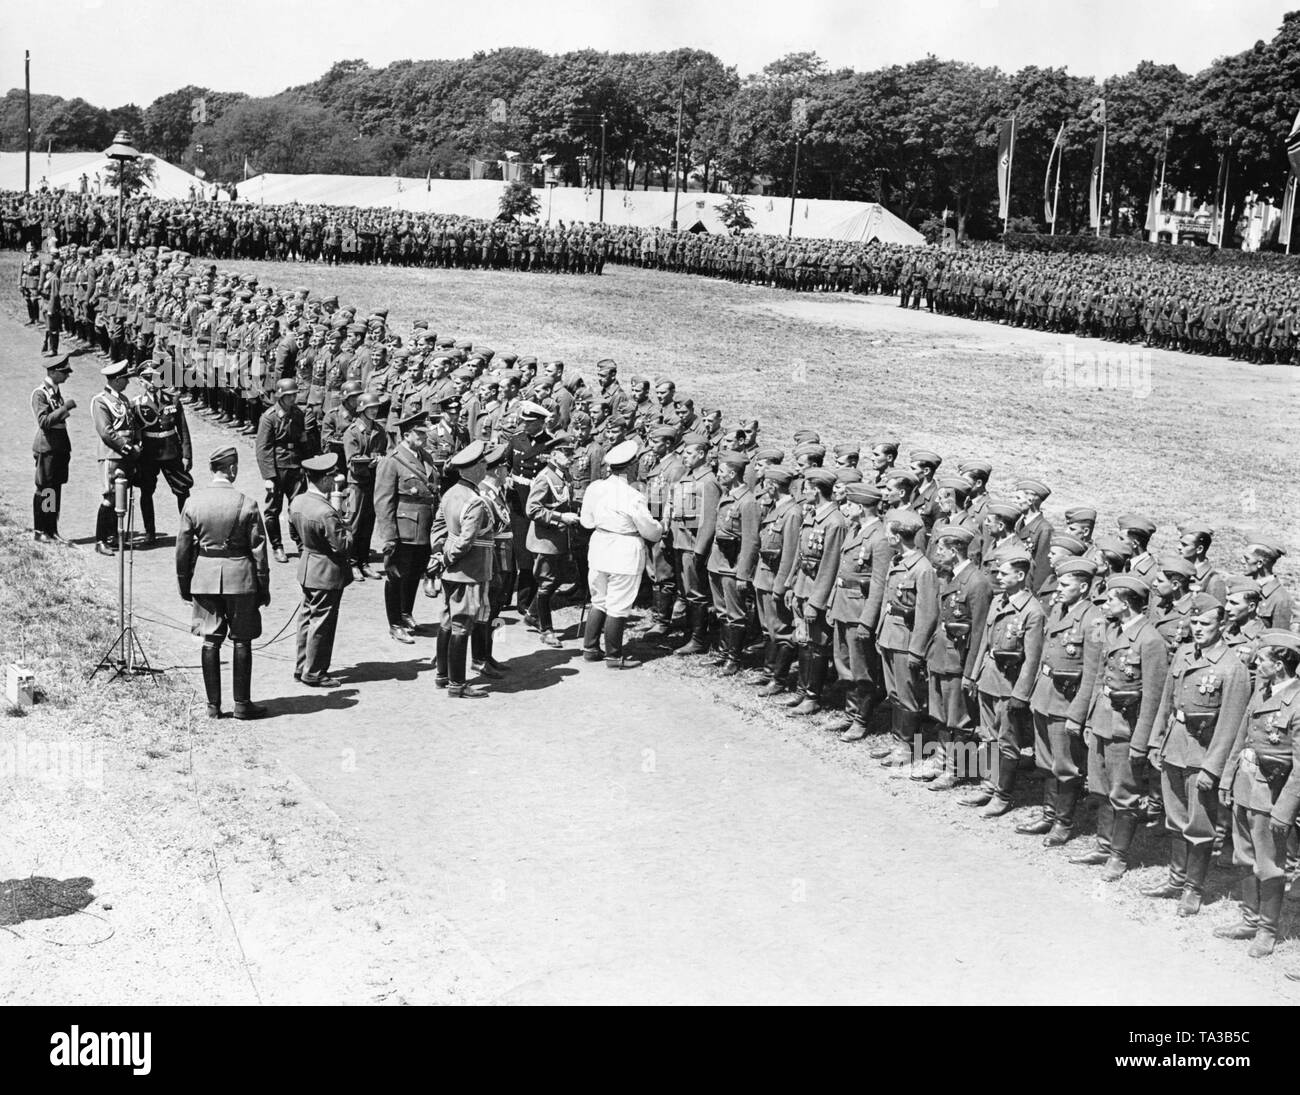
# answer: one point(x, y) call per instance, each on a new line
point(920, 138)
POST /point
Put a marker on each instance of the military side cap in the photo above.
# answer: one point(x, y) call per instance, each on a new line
point(749, 425)
point(533, 411)
point(506, 357)
point(1006, 510)
point(1284, 640)
point(1205, 602)
point(735, 459)
point(663, 432)
point(802, 436)
point(810, 448)
point(1239, 583)
point(905, 520)
point(1130, 582)
point(1176, 564)
point(381, 313)
point(954, 482)
point(847, 475)
point(222, 453)
point(446, 342)
point(496, 454)
point(464, 344)
point(1074, 564)
point(524, 362)
point(1269, 551)
point(847, 448)
point(775, 473)
point(1133, 522)
point(638, 380)
point(412, 421)
point(420, 325)
point(1112, 545)
point(864, 494)
point(773, 455)
point(317, 464)
point(465, 372)
point(356, 328)
point(695, 439)
point(960, 533)
point(334, 300)
point(605, 366)
point(820, 477)
point(623, 453)
point(470, 454)
point(117, 368)
point(1033, 486)
point(62, 362)
point(1014, 554)
point(1086, 514)
point(1072, 544)
point(926, 456)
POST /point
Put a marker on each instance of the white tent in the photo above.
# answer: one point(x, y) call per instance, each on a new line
point(63, 171)
point(814, 218)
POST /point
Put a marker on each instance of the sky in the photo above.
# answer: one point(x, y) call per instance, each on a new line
point(112, 52)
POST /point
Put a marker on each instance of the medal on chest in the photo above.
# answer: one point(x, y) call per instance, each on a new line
point(1275, 734)
point(1208, 684)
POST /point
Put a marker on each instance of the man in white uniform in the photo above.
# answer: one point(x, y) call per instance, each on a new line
point(621, 525)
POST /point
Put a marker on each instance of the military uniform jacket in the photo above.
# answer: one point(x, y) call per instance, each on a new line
point(1036, 534)
point(284, 439)
point(735, 539)
point(220, 548)
point(1208, 580)
point(1011, 647)
point(1171, 621)
point(364, 445)
point(1275, 604)
point(115, 422)
point(964, 600)
point(50, 410)
point(463, 533)
point(526, 456)
point(693, 509)
point(1270, 731)
point(821, 541)
point(657, 475)
point(166, 431)
point(405, 495)
point(325, 561)
point(1204, 700)
point(1129, 682)
point(923, 503)
point(334, 425)
point(911, 605)
point(778, 546)
point(1072, 640)
point(548, 498)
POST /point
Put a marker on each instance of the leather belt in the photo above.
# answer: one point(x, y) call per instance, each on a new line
point(222, 553)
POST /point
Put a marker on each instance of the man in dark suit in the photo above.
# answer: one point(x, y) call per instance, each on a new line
point(221, 568)
point(286, 435)
point(51, 449)
point(324, 570)
point(406, 491)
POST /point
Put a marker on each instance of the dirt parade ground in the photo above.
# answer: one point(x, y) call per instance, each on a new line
point(582, 836)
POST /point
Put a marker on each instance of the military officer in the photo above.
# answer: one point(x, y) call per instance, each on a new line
point(692, 513)
point(286, 435)
point(51, 449)
point(552, 514)
point(659, 469)
point(463, 545)
point(526, 455)
point(1172, 603)
point(1072, 636)
point(911, 615)
point(365, 442)
point(733, 558)
point(119, 448)
point(964, 594)
point(1201, 708)
point(1010, 651)
point(1034, 530)
point(924, 464)
point(336, 421)
point(165, 444)
point(406, 492)
point(324, 570)
point(221, 568)
point(1194, 545)
point(778, 556)
point(1137, 531)
point(1129, 681)
point(1261, 783)
point(1257, 562)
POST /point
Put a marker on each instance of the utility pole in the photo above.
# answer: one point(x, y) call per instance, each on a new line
point(27, 162)
point(794, 184)
point(602, 169)
point(677, 156)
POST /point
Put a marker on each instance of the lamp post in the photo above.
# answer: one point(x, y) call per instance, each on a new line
point(121, 151)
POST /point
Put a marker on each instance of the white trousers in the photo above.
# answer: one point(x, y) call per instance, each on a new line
point(613, 593)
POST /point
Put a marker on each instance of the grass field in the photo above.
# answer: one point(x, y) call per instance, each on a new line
point(1173, 436)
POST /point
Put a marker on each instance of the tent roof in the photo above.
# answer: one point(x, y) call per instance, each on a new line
point(839, 220)
point(63, 171)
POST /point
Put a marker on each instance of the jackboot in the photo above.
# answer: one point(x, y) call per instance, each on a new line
point(614, 656)
point(801, 689)
point(1248, 925)
point(457, 655)
point(242, 679)
point(818, 664)
point(148, 519)
point(1198, 866)
point(734, 637)
point(211, 662)
point(1173, 885)
point(1067, 796)
point(441, 657)
point(1271, 893)
point(1043, 825)
point(698, 618)
point(591, 650)
point(781, 660)
point(1125, 826)
point(764, 672)
point(661, 611)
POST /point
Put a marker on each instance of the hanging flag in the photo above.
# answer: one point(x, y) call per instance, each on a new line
point(1288, 213)
point(1049, 207)
point(428, 179)
point(1156, 197)
point(1094, 186)
point(1220, 194)
point(1293, 145)
point(1006, 146)
point(246, 172)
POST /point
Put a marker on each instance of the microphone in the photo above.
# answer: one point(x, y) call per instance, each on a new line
point(336, 495)
point(120, 489)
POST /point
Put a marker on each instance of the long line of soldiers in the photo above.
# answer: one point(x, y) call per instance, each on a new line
point(1162, 684)
point(303, 233)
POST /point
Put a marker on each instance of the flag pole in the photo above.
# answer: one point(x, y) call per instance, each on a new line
point(1056, 194)
point(1160, 196)
point(1292, 182)
point(27, 162)
point(1223, 205)
point(1011, 159)
point(1101, 179)
point(677, 156)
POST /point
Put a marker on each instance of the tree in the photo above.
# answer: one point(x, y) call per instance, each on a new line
point(735, 213)
point(134, 174)
point(76, 126)
point(518, 200)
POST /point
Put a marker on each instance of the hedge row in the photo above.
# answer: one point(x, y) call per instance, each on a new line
point(1161, 252)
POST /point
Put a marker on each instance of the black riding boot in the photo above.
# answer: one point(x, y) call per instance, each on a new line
point(242, 679)
point(211, 662)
